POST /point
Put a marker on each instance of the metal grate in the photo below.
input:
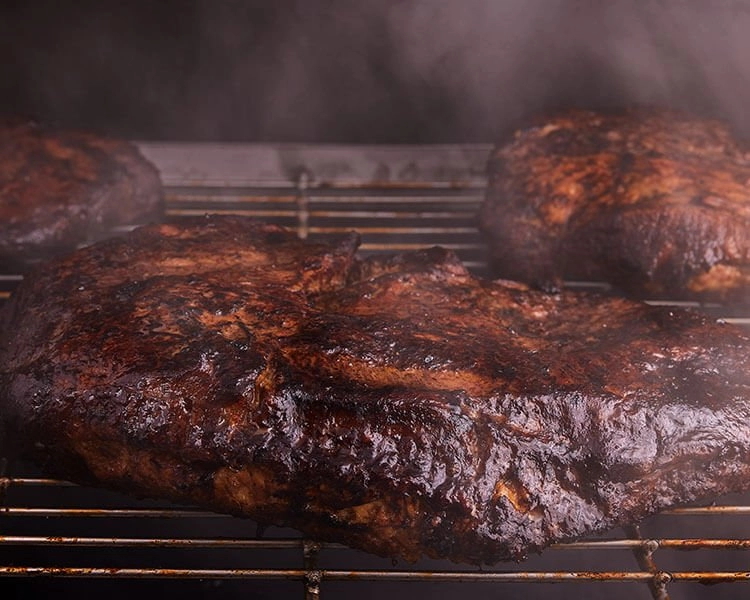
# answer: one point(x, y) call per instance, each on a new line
point(398, 198)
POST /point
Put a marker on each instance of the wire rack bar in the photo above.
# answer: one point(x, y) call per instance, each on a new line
point(139, 513)
point(95, 542)
point(283, 543)
point(706, 577)
point(339, 575)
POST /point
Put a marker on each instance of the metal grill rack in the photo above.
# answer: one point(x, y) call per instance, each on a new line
point(398, 198)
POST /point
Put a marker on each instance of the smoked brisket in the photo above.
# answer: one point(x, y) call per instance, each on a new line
point(396, 403)
point(63, 188)
point(653, 201)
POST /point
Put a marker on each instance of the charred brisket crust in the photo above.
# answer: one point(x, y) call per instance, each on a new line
point(62, 188)
point(395, 404)
point(655, 202)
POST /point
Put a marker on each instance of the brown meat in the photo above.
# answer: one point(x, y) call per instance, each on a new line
point(62, 188)
point(398, 404)
point(653, 201)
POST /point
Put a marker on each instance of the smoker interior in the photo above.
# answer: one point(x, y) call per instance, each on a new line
point(62, 539)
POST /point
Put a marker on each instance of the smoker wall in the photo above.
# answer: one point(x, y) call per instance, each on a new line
point(363, 71)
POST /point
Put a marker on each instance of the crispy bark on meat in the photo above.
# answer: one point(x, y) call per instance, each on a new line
point(396, 404)
point(655, 202)
point(62, 188)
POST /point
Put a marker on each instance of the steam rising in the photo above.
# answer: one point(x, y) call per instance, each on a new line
point(364, 71)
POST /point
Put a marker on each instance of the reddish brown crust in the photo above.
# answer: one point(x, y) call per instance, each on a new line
point(62, 188)
point(396, 404)
point(653, 201)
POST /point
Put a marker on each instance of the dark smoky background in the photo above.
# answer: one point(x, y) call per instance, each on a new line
point(357, 71)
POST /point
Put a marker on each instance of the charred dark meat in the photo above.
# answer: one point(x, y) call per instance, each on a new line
point(655, 202)
point(61, 188)
point(395, 404)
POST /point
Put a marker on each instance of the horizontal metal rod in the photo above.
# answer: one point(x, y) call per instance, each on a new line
point(35, 481)
point(401, 576)
point(540, 576)
point(335, 575)
point(737, 320)
point(315, 198)
point(393, 215)
point(395, 230)
point(415, 246)
point(251, 212)
point(290, 197)
point(475, 185)
point(283, 543)
point(536, 576)
point(265, 213)
point(654, 544)
point(329, 214)
point(708, 510)
point(587, 284)
point(247, 185)
point(379, 198)
point(125, 573)
point(681, 303)
point(262, 544)
point(14, 511)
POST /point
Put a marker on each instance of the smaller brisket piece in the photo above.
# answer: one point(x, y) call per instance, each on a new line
point(653, 201)
point(62, 188)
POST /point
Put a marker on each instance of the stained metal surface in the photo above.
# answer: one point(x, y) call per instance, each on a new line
point(325, 166)
point(397, 198)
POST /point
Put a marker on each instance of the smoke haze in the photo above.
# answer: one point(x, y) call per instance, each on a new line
point(363, 71)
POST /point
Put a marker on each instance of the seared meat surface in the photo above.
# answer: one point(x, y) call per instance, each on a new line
point(653, 201)
point(61, 188)
point(396, 404)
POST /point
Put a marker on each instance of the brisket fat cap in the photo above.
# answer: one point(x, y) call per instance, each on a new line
point(395, 404)
point(61, 188)
point(656, 202)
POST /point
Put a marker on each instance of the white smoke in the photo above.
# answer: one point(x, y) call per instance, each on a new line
point(367, 71)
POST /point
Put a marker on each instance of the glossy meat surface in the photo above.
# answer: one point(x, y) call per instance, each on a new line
point(395, 404)
point(653, 201)
point(62, 188)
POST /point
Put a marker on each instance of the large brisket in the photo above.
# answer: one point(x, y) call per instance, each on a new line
point(395, 404)
point(653, 201)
